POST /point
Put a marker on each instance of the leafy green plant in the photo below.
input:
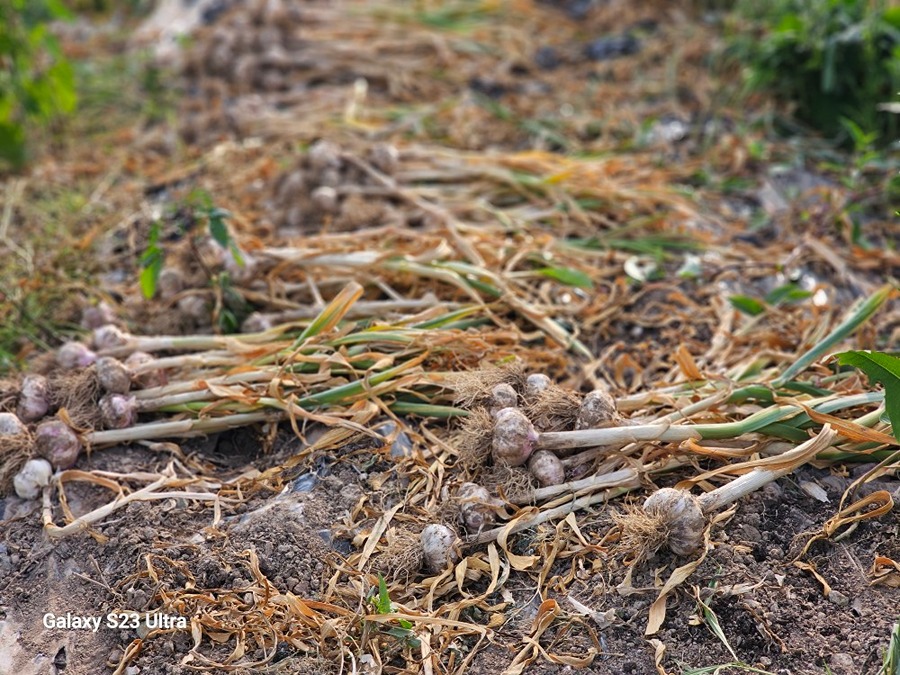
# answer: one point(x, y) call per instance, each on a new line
point(835, 60)
point(200, 209)
point(384, 605)
point(231, 309)
point(37, 83)
point(882, 368)
point(783, 294)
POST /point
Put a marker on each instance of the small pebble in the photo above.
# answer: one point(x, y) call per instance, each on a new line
point(143, 630)
point(612, 47)
point(487, 87)
point(842, 664)
point(771, 493)
point(304, 482)
point(838, 598)
point(547, 58)
point(402, 444)
point(750, 534)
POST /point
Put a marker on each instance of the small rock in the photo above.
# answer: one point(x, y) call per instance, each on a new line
point(304, 482)
point(547, 58)
point(749, 534)
point(838, 598)
point(814, 490)
point(842, 664)
point(114, 656)
point(487, 87)
point(351, 493)
point(611, 47)
point(834, 484)
point(342, 546)
point(861, 469)
point(669, 129)
point(402, 445)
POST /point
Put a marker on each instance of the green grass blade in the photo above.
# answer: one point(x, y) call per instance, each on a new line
point(427, 410)
point(857, 316)
point(891, 663)
point(340, 394)
point(329, 317)
point(373, 335)
point(712, 622)
point(449, 318)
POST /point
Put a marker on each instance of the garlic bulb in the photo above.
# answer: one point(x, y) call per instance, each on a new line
point(94, 317)
point(513, 439)
point(57, 443)
point(108, 337)
point(33, 398)
point(136, 362)
point(324, 155)
point(170, 283)
point(118, 411)
point(535, 384)
point(74, 355)
point(598, 410)
point(10, 425)
point(439, 544)
point(681, 517)
point(475, 507)
point(503, 396)
point(34, 475)
point(385, 158)
point(325, 199)
point(113, 375)
point(547, 468)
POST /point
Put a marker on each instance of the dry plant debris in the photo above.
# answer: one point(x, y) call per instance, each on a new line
point(418, 251)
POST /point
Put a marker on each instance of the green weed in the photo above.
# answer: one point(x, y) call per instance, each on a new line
point(834, 60)
point(384, 605)
point(37, 83)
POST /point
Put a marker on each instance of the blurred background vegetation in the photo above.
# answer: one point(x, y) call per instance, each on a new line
point(835, 63)
point(37, 83)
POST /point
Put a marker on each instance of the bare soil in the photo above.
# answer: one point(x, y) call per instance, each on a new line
point(775, 616)
point(256, 87)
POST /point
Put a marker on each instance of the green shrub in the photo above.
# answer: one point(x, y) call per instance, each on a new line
point(833, 59)
point(37, 83)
